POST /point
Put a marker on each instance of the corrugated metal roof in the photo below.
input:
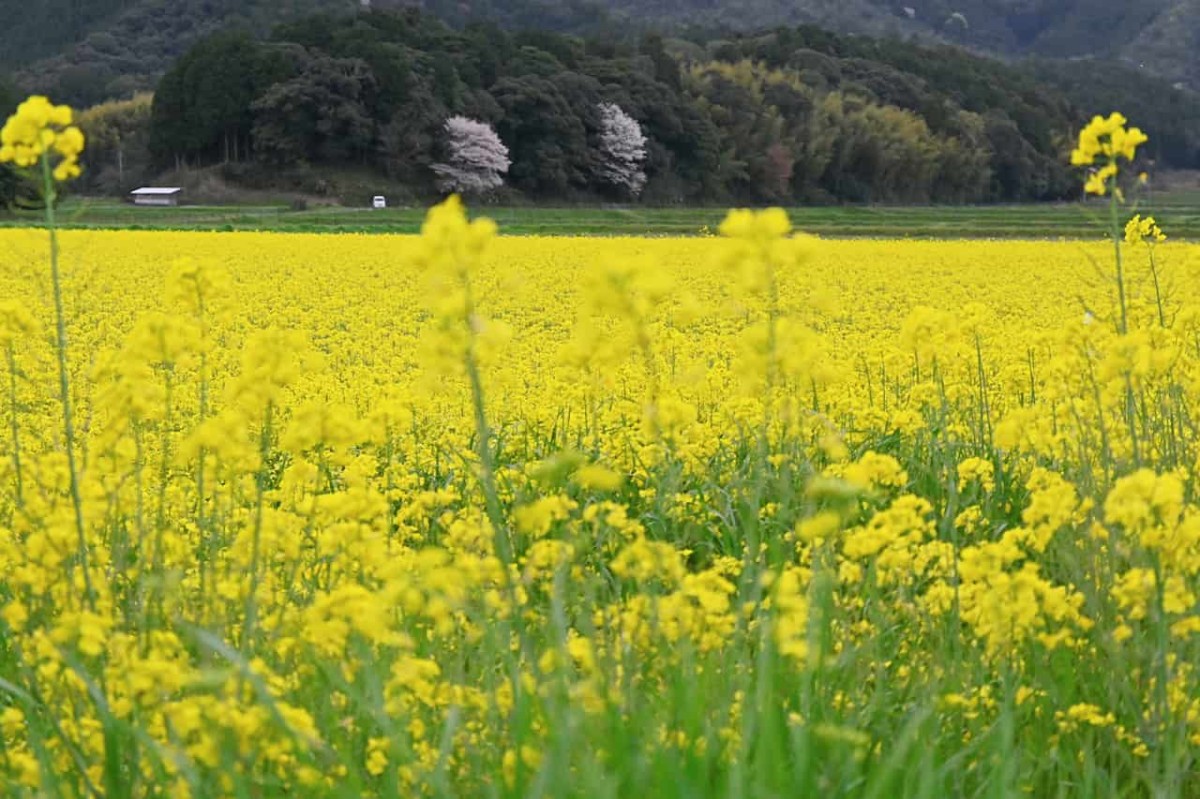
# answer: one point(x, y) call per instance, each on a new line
point(148, 190)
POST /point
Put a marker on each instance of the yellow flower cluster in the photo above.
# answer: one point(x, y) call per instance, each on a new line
point(39, 129)
point(706, 500)
point(1141, 229)
point(1105, 140)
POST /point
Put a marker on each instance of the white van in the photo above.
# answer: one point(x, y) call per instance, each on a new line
point(379, 201)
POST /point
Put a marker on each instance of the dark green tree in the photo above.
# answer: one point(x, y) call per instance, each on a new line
point(320, 114)
point(202, 109)
point(408, 143)
point(547, 140)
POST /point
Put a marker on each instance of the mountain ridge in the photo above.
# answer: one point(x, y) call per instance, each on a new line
point(114, 47)
point(1162, 36)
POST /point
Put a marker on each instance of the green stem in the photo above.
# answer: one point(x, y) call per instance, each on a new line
point(985, 411)
point(1130, 403)
point(1115, 225)
point(1131, 419)
point(202, 458)
point(503, 544)
point(14, 424)
point(49, 196)
point(773, 314)
point(260, 489)
point(164, 474)
point(1158, 298)
point(483, 434)
point(1163, 668)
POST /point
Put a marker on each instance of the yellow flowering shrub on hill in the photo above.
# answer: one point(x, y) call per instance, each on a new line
point(458, 515)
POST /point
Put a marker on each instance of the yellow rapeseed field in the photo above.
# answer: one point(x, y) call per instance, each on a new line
point(459, 515)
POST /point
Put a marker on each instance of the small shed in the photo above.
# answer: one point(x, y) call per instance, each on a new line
point(156, 196)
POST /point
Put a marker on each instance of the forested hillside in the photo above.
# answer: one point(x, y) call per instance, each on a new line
point(95, 49)
point(797, 114)
point(36, 30)
point(1161, 36)
point(87, 51)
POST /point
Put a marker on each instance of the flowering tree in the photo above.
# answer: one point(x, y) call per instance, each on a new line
point(478, 160)
point(622, 149)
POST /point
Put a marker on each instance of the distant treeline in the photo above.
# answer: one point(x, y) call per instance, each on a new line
point(798, 115)
point(793, 115)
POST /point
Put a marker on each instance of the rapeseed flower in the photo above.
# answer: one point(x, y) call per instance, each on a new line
point(1105, 141)
point(39, 129)
point(717, 525)
point(1143, 229)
